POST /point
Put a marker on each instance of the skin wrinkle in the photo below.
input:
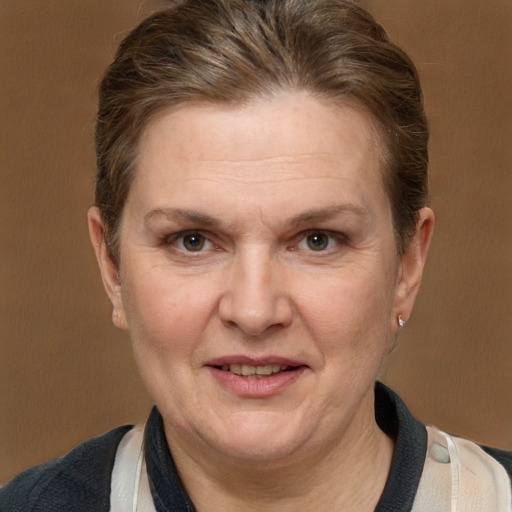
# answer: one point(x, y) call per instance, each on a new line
point(263, 161)
point(347, 210)
point(252, 240)
point(310, 216)
point(260, 182)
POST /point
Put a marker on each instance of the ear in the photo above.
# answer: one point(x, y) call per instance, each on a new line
point(411, 268)
point(109, 270)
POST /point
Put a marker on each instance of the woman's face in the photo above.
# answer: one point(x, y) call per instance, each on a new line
point(259, 276)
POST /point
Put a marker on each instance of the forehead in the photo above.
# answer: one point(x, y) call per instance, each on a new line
point(291, 140)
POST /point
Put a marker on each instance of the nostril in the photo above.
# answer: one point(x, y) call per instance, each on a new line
point(252, 320)
point(252, 301)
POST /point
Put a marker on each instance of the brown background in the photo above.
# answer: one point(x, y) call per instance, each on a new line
point(66, 374)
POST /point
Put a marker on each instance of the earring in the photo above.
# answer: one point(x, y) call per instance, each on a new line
point(401, 321)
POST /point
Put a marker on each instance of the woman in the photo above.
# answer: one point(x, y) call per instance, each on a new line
point(261, 227)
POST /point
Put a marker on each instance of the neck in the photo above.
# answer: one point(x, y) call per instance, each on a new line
point(348, 474)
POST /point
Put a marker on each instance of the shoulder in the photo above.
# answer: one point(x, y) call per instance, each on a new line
point(473, 455)
point(502, 456)
point(78, 481)
point(430, 467)
point(478, 477)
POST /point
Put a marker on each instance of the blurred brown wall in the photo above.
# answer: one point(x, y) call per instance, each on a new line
point(66, 374)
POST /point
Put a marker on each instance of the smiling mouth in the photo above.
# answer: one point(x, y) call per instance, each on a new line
point(256, 372)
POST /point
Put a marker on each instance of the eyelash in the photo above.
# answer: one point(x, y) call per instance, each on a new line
point(178, 239)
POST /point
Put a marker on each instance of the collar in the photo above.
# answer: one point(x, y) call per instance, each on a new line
point(410, 438)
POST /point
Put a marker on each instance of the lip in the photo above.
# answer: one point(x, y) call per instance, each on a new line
point(250, 387)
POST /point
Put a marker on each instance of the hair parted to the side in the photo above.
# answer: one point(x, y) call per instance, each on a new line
point(233, 50)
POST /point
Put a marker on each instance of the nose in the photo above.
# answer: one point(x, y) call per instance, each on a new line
point(255, 299)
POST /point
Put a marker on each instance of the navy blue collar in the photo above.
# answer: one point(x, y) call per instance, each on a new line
point(410, 438)
point(392, 417)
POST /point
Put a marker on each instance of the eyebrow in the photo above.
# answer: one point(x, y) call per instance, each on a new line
point(307, 217)
point(323, 214)
point(193, 216)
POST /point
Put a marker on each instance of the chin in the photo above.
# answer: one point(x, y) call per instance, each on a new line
point(260, 437)
point(259, 450)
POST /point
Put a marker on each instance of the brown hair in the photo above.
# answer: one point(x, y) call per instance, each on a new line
point(234, 50)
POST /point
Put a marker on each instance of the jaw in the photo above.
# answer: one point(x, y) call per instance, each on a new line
point(275, 447)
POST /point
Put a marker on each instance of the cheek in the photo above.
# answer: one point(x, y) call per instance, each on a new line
point(165, 314)
point(348, 314)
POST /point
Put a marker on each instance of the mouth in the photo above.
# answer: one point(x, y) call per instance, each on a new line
point(255, 372)
point(256, 377)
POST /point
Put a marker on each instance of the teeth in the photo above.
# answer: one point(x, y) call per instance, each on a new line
point(248, 370)
point(264, 370)
point(235, 368)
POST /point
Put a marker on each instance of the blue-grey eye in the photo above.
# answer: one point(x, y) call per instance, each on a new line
point(193, 242)
point(317, 241)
